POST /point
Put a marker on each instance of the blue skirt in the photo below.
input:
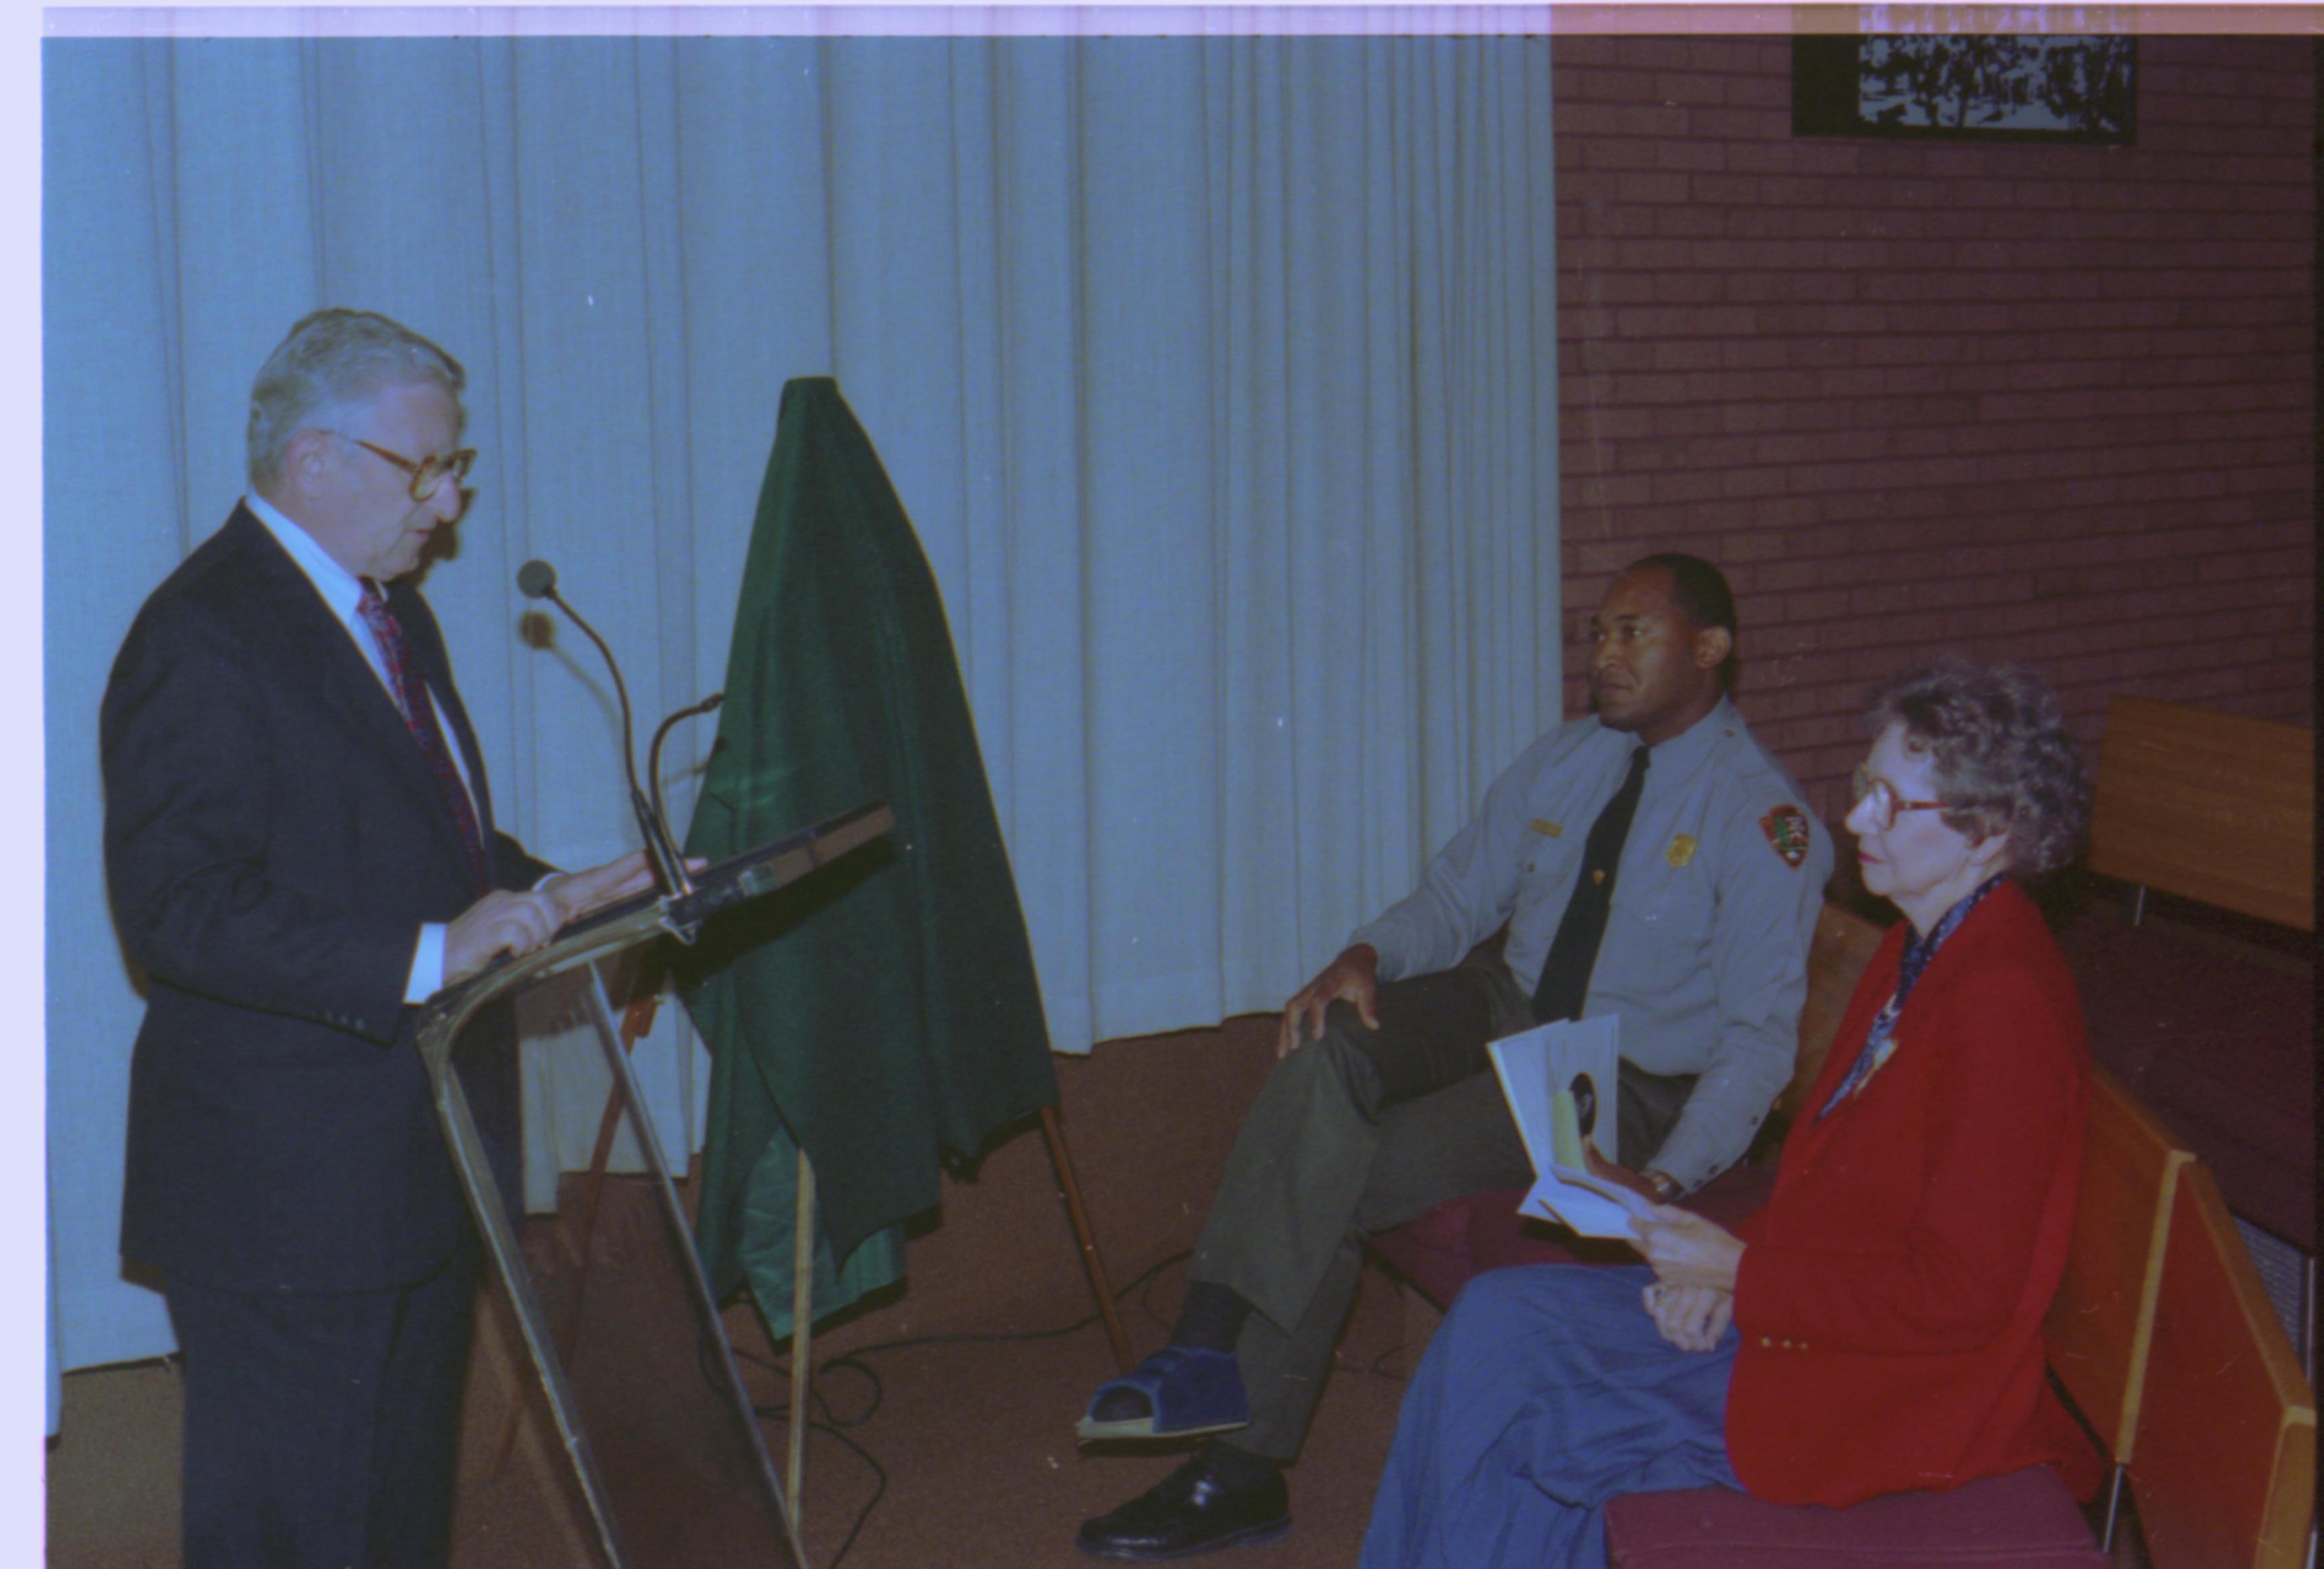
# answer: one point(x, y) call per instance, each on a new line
point(1546, 1391)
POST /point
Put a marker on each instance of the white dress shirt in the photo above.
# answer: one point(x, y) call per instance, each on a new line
point(342, 591)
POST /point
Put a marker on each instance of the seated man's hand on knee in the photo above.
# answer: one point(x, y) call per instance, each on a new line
point(1353, 978)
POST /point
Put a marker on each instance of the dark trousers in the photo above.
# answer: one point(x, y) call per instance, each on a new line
point(1360, 1132)
point(322, 1431)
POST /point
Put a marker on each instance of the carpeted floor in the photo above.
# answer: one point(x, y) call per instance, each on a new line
point(962, 1454)
point(971, 1431)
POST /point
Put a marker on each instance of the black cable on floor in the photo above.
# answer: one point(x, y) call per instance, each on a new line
point(832, 1424)
point(1380, 1367)
point(879, 1472)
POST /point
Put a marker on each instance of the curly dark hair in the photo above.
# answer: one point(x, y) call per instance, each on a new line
point(1996, 739)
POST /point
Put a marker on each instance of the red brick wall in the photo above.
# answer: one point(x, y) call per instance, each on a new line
point(2036, 403)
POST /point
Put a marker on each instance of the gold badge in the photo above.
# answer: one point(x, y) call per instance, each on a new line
point(1597, 875)
point(1548, 829)
point(1680, 851)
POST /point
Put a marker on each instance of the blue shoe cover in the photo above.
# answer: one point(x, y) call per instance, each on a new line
point(1187, 1391)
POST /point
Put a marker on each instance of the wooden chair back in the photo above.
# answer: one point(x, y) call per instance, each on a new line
point(1842, 946)
point(2211, 806)
point(2224, 1471)
point(2100, 1326)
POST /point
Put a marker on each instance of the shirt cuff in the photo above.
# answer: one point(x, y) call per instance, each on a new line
point(1380, 936)
point(426, 965)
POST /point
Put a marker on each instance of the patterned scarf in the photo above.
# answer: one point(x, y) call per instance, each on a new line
point(1880, 1041)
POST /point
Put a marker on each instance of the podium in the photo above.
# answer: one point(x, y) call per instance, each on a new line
point(659, 1436)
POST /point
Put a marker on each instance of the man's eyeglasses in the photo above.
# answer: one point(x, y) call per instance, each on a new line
point(1865, 785)
point(427, 473)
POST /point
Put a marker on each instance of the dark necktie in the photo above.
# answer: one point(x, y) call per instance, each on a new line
point(419, 718)
point(1573, 952)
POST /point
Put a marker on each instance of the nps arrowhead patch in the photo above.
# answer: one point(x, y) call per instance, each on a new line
point(1786, 828)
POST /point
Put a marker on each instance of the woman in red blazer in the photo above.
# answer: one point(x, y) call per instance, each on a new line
point(1876, 1327)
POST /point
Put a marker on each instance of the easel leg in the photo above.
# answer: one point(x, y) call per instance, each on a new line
point(1099, 1285)
point(637, 1018)
point(802, 1334)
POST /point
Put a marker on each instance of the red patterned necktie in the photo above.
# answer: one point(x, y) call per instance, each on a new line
point(419, 718)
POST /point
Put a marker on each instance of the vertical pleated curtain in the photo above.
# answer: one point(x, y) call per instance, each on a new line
point(1217, 374)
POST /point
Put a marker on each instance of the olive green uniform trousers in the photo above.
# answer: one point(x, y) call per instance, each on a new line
point(1360, 1131)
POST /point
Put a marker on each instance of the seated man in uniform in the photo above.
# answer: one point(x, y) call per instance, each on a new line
point(1652, 860)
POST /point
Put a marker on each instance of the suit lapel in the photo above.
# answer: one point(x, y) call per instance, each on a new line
point(1812, 1132)
point(308, 636)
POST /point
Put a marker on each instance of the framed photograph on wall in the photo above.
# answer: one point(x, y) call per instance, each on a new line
point(1981, 86)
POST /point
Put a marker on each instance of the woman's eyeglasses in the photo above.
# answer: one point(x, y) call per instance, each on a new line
point(1866, 786)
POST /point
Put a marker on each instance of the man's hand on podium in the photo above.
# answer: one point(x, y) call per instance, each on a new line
point(576, 894)
point(503, 922)
point(516, 923)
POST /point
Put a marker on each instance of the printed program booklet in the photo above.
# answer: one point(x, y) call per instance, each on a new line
point(1560, 1082)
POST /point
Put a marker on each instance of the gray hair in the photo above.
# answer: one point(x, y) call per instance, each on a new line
point(334, 360)
point(1996, 739)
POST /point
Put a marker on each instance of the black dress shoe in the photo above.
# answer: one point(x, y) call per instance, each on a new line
point(1202, 1505)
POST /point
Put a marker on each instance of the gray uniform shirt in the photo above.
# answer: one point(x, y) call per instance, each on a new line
point(1705, 952)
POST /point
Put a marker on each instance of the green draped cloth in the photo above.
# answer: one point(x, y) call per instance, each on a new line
point(883, 1012)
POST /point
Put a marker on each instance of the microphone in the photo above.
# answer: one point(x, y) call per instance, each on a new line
point(537, 579)
point(653, 753)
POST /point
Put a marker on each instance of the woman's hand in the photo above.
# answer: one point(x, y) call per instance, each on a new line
point(1690, 1317)
point(1685, 1250)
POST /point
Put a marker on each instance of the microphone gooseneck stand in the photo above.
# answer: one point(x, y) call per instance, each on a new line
point(537, 579)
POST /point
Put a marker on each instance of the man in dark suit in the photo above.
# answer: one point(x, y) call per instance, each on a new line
point(300, 847)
